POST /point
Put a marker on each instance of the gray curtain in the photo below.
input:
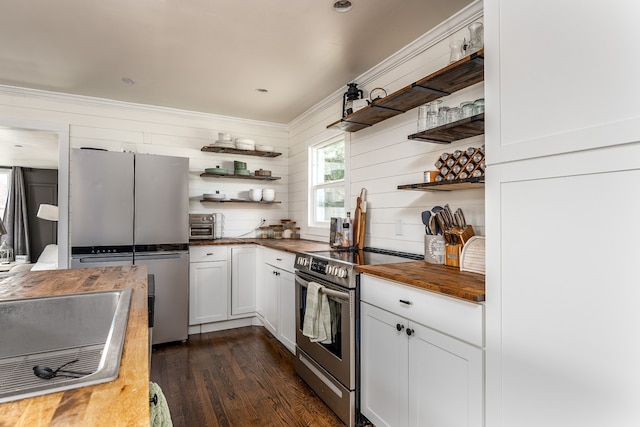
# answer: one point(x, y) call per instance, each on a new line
point(15, 216)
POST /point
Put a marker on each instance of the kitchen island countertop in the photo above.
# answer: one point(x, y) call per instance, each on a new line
point(123, 401)
point(432, 277)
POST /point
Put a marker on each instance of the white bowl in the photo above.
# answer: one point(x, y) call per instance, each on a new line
point(255, 194)
point(268, 195)
point(264, 148)
point(224, 136)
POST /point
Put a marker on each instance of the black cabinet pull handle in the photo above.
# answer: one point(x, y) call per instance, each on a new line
point(399, 327)
point(410, 331)
point(154, 399)
point(404, 301)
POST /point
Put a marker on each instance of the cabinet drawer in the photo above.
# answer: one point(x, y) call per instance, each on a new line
point(207, 253)
point(461, 319)
point(280, 259)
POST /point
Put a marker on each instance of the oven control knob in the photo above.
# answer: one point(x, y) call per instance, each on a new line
point(342, 273)
point(330, 269)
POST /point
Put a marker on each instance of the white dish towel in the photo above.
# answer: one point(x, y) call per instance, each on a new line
point(317, 315)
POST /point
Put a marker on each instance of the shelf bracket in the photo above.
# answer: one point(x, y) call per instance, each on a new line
point(395, 110)
point(430, 90)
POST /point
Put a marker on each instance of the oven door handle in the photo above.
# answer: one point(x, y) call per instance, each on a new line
point(325, 290)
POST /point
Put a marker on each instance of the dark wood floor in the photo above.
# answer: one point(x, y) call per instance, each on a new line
point(240, 377)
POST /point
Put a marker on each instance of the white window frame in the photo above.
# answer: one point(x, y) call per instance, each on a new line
point(322, 227)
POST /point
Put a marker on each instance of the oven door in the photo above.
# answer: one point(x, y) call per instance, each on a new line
point(338, 357)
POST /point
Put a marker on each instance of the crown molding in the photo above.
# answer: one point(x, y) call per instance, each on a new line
point(123, 105)
point(442, 31)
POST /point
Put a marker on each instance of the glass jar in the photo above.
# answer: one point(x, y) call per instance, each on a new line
point(276, 231)
point(295, 233)
point(263, 232)
point(442, 115)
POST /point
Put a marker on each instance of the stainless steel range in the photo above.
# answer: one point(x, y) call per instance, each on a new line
point(331, 366)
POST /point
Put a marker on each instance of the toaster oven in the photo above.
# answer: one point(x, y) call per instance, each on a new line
point(201, 227)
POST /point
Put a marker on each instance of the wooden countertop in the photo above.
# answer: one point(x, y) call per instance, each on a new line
point(437, 278)
point(122, 402)
point(433, 277)
point(287, 245)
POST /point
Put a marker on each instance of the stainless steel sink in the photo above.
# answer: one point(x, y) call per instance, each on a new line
point(87, 329)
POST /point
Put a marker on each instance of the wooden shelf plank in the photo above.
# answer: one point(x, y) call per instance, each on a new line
point(261, 178)
point(445, 134)
point(240, 201)
point(458, 184)
point(223, 150)
point(466, 72)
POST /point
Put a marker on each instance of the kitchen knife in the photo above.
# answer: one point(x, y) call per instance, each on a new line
point(464, 220)
point(458, 219)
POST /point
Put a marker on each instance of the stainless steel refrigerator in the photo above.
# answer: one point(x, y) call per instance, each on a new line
point(134, 209)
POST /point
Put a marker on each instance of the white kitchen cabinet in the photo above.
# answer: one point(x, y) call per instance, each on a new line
point(287, 313)
point(243, 280)
point(277, 295)
point(221, 283)
point(208, 284)
point(412, 374)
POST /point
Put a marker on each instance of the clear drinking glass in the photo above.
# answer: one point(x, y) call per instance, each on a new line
point(454, 114)
point(422, 117)
point(456, 54)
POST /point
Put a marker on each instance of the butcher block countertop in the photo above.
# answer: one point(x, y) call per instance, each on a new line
point(433, 277)
point(287, 245)
point(121, 402)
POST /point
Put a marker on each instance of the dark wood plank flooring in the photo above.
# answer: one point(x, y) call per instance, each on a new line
point(239, 377)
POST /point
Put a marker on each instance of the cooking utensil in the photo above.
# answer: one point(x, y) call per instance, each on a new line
point(47, 373)
point(463, 219)
point(433, 226)
point(426, 216)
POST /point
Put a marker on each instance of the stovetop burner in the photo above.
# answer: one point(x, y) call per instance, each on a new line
point(368, 256)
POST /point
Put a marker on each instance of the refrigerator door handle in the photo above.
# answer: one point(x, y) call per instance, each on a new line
point(113, 258)
point(159, 255)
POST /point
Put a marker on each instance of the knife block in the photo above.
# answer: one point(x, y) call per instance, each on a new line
point(463, 235)
point(452, 255)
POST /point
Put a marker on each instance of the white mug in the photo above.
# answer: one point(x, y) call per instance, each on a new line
point(255, 194)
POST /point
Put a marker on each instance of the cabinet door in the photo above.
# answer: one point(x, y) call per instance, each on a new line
point(270, 297)
point(208, 292)
point(287, 318)
point(445, 380)
point(243, 280)
point(384, 367)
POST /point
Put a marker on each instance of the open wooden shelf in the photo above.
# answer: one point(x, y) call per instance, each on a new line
point(458, 184)
point(454, 77)
point(454, 131)
point(260, 178)
point(223, 150)
point(240, 201)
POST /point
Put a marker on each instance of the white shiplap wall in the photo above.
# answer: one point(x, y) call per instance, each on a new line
point(382, 157)
point(116, 126)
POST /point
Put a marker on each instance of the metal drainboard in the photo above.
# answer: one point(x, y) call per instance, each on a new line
point(16, 373)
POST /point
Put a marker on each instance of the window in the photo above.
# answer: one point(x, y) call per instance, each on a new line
point(327, 189)
point(5, 181)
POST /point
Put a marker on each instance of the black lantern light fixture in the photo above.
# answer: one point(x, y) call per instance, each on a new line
point(349, 96)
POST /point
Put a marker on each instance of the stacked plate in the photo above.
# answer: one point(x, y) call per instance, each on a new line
point(213, 197)
point(216, 171)
point(245, 144)
point(240, 168)
point(224, 141)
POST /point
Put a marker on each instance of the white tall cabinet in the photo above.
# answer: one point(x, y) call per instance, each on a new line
point(563, 155)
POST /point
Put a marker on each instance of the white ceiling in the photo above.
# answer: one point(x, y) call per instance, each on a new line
point(207, 55)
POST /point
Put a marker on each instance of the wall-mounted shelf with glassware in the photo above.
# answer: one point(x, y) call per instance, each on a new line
point(454, 77)
point(454, 131)
point(456, 184)
point(240, 201)
point(224, 150)
point(260, 178)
